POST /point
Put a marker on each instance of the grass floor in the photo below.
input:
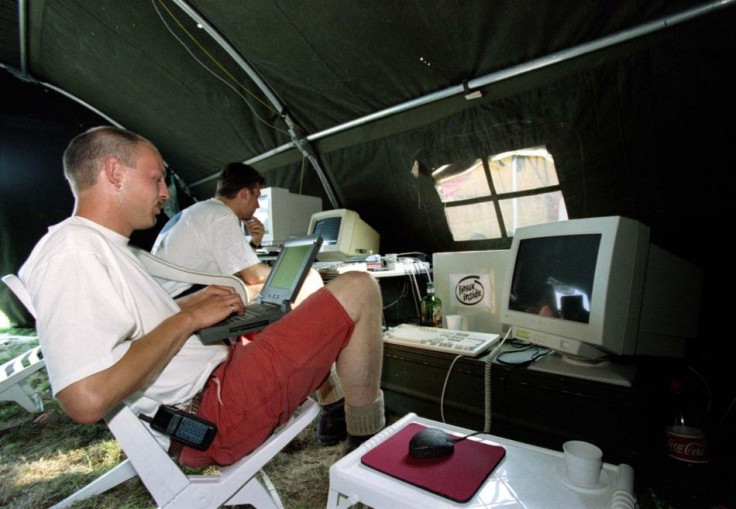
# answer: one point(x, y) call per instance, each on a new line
point(46, 457)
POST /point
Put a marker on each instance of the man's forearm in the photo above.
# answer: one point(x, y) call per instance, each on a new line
point(255, 274)
point(88, 400)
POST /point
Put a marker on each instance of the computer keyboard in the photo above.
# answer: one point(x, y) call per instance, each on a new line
point(441, 340)
point(339, 267)
point(330, 270)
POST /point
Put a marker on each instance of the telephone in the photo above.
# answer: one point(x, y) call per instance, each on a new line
point(184, 427)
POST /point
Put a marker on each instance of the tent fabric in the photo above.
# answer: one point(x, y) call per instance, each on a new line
point(135, 61)
point(592, 122)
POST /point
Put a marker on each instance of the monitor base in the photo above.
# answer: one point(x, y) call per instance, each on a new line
point(610, 372)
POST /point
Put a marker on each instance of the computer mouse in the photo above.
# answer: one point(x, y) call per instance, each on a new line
point(431, 443)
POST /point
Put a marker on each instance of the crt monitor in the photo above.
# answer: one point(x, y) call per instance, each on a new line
point(284, 214)
point(595, 290)
point(344, 235)
point(469, 284)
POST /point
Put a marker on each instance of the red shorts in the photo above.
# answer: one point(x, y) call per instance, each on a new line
point(261, 384)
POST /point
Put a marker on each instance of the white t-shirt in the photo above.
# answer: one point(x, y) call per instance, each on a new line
point(93, 298)
point(205, 237)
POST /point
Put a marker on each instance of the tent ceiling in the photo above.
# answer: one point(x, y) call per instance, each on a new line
point(145, 64)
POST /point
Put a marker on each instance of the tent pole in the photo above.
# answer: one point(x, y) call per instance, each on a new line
point(298, 140)
point(517, 70)
point(234, 54)
point(22, 20)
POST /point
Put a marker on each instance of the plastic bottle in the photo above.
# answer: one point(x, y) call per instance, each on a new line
point(431, 308)
point(688, 460)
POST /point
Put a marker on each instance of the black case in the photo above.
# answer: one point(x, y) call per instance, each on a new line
point(186, 428)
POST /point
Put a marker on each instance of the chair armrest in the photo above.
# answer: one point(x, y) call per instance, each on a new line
point(20, 291)
point(164, 269)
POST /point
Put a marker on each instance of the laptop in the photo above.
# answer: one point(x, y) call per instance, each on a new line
point(278, 293)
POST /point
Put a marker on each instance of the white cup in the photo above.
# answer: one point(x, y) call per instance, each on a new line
point(454, 322)
point(583, 462)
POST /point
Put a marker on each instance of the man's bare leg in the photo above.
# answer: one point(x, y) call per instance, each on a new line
point(360, 362)
point(330, 392)
point(312, 283)
point(331, 428)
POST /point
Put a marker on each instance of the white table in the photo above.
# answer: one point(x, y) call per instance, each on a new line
point(528, 477)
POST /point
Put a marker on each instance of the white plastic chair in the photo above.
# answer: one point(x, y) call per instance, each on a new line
point(160, 268)
point(243, 482)
point(14, 374)
point(14, 384)
point(240, 483)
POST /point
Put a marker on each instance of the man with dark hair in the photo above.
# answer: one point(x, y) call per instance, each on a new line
point(110, 333)
point(209, 237)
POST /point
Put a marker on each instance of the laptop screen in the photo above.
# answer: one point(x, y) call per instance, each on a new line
point(290, 269)
point(287, 271)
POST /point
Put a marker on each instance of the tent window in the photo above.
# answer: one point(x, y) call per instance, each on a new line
point(455, 182)
point(489, 197)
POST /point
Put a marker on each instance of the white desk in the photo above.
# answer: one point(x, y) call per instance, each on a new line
point(407, 269)
point(528, 477)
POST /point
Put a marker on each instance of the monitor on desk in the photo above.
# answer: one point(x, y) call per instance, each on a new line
point(344, 235)
point(596, 289)
point(469, 284)
point(284, 214)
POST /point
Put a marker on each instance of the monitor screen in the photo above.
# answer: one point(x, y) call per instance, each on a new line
point(554, 276)
point(329, 229)
point(344, 235)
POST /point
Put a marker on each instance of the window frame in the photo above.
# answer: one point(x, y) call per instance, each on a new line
point(496, 198)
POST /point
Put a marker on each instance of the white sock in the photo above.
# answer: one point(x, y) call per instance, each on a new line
point(366, 420)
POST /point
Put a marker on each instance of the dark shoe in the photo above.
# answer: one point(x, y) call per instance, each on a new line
point(331, 428)
point(353, 442)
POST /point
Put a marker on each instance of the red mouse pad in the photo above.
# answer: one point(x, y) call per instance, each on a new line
point(457, 477)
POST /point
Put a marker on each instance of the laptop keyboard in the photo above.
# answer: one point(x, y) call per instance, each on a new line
point(253, 311)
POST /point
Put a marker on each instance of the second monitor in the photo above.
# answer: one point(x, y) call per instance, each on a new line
point(344, 235)
point(284, 214)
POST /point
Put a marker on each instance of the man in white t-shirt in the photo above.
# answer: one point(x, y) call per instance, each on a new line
point(111, 334)
point(209, 236)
